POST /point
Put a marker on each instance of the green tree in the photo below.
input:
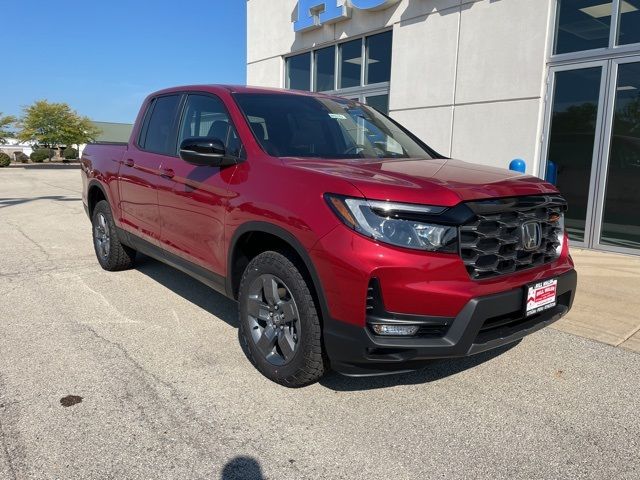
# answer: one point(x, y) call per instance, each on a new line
point(628, 120)
point(79, 130)
point(55, 124)
point(5, 122)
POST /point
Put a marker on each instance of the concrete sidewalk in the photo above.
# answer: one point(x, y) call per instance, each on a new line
point(607, 303)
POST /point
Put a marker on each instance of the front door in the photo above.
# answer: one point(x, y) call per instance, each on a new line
point(192, 208)
point(140, 171)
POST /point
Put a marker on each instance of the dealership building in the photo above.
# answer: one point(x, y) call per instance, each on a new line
point(553, 82)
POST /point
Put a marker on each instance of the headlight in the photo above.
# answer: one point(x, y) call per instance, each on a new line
point(395, 223)
point(561, 232)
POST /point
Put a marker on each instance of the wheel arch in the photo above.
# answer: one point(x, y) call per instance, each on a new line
point(237, 260)
point(95, 193)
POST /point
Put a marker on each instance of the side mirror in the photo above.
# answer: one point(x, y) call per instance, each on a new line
point(205, 151)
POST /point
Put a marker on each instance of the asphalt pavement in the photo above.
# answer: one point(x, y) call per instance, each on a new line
point(139, 374)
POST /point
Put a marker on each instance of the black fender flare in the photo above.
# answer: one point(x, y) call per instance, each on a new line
point(96, 183)
point(290, 239)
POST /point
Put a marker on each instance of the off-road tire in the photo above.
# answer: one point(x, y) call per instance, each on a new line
point(308, 363)
point(119, 256)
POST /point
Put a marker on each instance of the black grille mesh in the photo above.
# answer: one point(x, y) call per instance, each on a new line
point(491, 244)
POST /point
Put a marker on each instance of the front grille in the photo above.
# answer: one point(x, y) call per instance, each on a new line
point(491, 244)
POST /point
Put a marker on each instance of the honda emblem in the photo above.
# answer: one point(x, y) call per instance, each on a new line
point(531, 235)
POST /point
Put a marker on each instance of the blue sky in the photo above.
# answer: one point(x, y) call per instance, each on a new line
point(103, 58)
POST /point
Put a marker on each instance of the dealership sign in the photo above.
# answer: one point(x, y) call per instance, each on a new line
point(315, 13)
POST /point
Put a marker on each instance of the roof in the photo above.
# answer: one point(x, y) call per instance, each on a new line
point(113, 132)
point(237, 89)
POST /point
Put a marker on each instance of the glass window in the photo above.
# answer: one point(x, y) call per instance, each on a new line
point(379, 102)
point(142, 136)
point(331, 128)
point(325, 72)
point(299, 72)
point(582, 25)
point(160, 135)
point(572, 139)
point(350, 64)
point(206, 116)
point(379, 58)
point(620, 219)
point(629, 26)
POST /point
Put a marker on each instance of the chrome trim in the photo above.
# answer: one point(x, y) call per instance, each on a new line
point(404, 207)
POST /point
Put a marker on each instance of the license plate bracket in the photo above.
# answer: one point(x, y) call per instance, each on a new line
point(540, 296)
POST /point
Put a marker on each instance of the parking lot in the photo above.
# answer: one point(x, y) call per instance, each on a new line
point(156, 385)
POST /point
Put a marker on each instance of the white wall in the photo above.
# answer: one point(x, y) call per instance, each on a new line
point(15, 145)
point(467, 76)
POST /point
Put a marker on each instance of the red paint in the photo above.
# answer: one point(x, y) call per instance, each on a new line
point(195, 213)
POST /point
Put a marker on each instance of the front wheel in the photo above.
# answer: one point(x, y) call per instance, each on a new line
point(279, 324)
point(111, 253)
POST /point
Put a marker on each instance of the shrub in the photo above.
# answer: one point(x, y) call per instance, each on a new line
point(22, 157)
point(5, 159)
point(70, 153)
point(39, 155)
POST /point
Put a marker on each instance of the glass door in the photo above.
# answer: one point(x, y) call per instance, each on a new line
point(573, 139)
point(591, 139)
point(618, 228)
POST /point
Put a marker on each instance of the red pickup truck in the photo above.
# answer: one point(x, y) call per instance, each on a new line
point(347, 242)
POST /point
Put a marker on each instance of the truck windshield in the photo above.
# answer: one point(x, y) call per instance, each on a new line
point(326, 127)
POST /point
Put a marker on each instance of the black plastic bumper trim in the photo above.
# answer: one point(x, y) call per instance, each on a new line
point(354, 350)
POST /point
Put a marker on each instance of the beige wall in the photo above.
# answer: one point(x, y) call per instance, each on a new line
point(467, 76)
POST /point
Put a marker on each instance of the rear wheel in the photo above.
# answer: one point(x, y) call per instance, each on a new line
point(279, 325)
point(111, 253)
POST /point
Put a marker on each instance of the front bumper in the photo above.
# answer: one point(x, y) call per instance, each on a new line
point(484, 323)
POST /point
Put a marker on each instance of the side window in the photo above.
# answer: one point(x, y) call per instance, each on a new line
point(145, 124)
point(206, 116)
point(159, 137)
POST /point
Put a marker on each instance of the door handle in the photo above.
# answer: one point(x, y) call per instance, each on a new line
point(129, 162)
point(167, 172)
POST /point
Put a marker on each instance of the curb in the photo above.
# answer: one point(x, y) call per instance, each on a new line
point(45, 166)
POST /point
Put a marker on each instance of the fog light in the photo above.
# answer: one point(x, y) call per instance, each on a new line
point(404, 330)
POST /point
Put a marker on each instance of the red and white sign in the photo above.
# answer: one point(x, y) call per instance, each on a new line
point(541, 296)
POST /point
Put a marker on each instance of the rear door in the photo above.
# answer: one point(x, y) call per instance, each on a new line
point(192, 210)
point(140, 174)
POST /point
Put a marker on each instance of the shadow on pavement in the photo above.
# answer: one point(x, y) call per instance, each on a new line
point(435, 370)
point(227, 310)
point(47, 166)
point(242, 468)
point(189, 289)
point(10, 202)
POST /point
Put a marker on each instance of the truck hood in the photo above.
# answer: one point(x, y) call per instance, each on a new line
point(438, 181)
